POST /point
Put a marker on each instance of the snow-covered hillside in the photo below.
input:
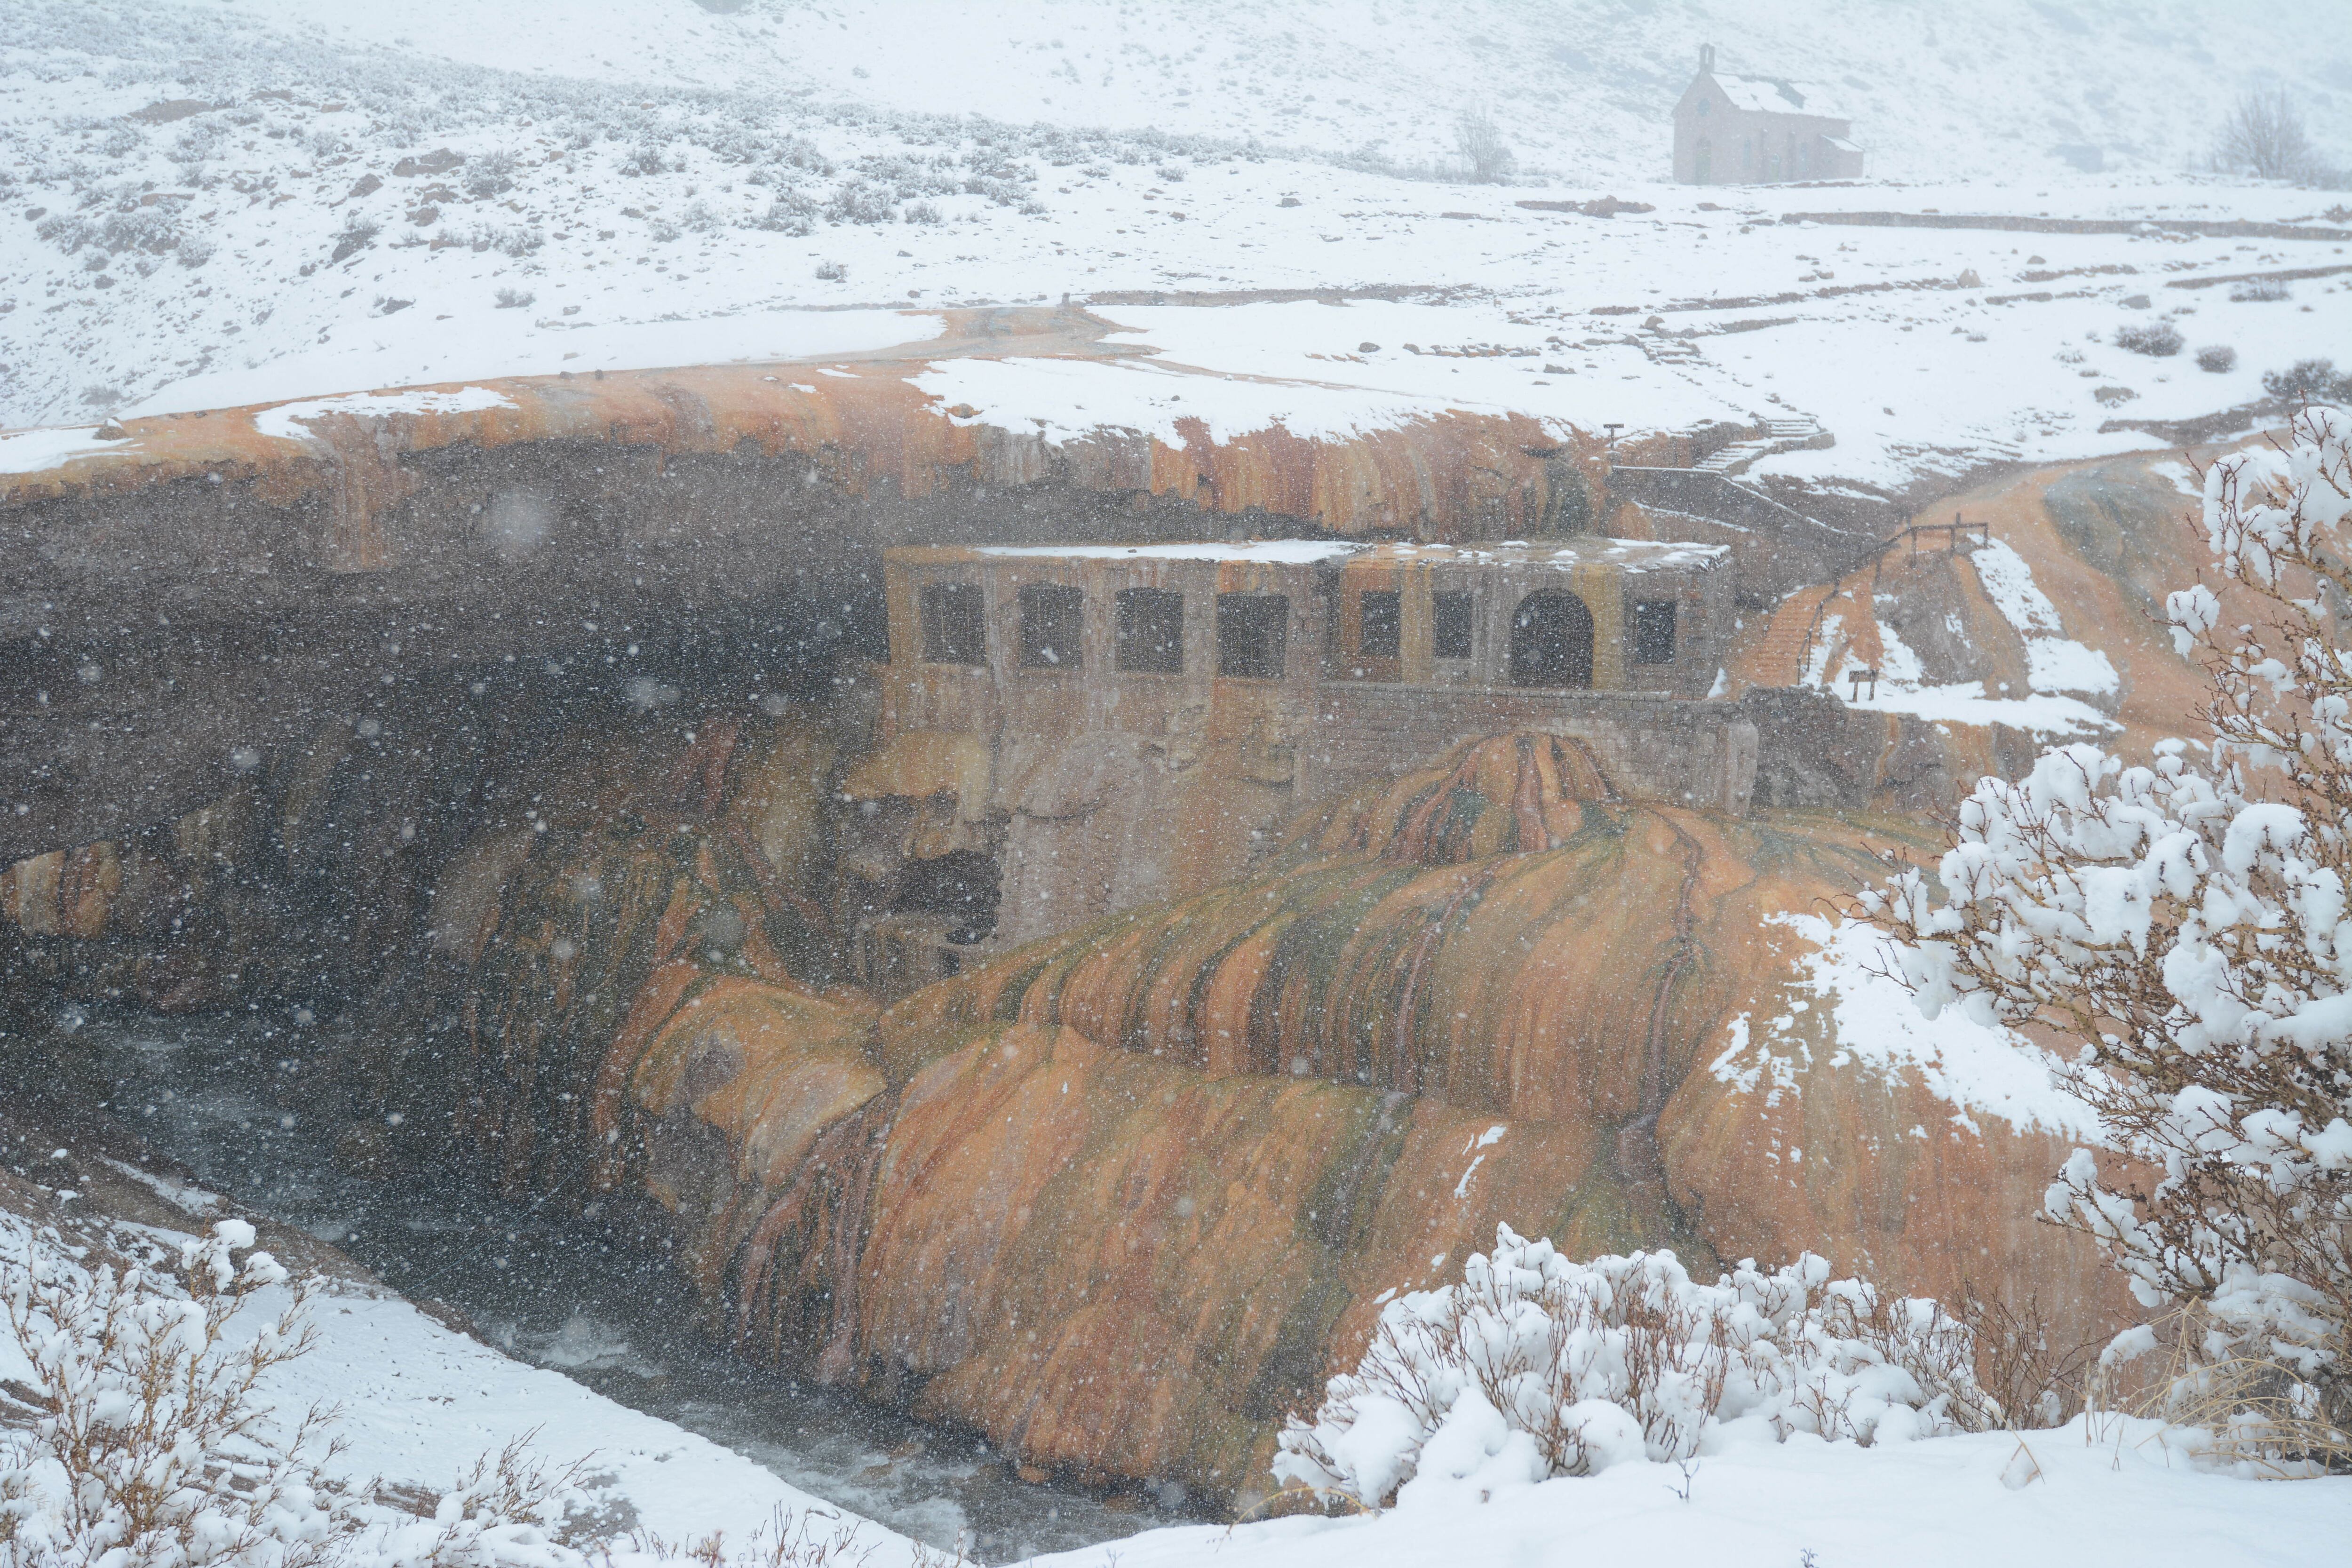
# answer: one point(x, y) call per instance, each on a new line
point(1579, 86)
point(208, 204)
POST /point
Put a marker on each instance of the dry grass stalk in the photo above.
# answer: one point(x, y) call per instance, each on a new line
point(2257, 1415)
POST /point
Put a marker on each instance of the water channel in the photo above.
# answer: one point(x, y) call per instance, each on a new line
point(226, 1097)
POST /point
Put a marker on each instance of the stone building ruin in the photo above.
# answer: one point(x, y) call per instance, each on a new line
point(1069, 731)
point(1760, 130)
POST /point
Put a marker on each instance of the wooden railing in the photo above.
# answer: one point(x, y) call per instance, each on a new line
point(1954, 531)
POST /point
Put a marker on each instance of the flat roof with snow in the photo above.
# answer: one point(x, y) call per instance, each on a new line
point(1627, 554)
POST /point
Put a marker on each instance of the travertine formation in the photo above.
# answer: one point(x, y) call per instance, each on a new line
point(1120, 1198)
point(1252, 1042)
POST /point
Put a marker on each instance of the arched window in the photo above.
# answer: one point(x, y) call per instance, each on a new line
point(1551, 641)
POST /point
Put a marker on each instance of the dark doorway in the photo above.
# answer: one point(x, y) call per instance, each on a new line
point(955, 629)
point(959, 887)
point(1251, 631)
point(1551, 641)
point(1052, 620)
point(1148, 634)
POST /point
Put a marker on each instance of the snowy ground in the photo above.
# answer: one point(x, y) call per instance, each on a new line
point(2061, 1499)
point(418, 1403)
point(208, 206)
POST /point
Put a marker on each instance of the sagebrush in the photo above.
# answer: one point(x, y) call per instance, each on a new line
point(1535, 1366)
point(143, 1435)
point(2184, 923)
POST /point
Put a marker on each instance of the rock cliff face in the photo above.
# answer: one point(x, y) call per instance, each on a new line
point(1123, 1194)
point(1121, 1198)
point(286, 562)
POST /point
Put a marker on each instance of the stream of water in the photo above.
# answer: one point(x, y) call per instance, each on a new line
point(226, 1097)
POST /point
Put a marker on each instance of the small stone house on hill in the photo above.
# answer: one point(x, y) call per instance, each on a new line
point(1751, 130)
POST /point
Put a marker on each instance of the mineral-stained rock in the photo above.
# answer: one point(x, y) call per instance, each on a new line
point(1119, 1265)
point(716, 1089)
point(1123, 1198)
point(66, 893)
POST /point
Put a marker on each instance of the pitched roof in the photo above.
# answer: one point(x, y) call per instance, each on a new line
point(1756, 93)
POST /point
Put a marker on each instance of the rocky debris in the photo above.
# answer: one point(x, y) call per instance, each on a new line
point(440, 161)
point(167, 111)
point(1600, 206)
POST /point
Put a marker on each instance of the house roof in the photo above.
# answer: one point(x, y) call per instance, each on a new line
point(1764, 95)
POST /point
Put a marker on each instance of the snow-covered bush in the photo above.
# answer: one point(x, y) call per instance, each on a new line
point(1480, 142)
point(2185, 923)
point(2265, 136)
point(2161, 340)
point(517, 240)
point(646, 158)
point(151, 1447)
point(137, 1432)
point(2311, 379)
point(502, 1513)
point(1535, 1366)
point(489, 173)
point(153, 1444)
point(2217, 358)
point(791, 212)
point(856, 200)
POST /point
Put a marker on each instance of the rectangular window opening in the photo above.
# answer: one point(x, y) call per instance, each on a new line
point(1148, 634)
point(1452, 618)
point(1379, 622)
point(1653, 631)
point(1053, 621)
point(1250, 632)
point(955, 629)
